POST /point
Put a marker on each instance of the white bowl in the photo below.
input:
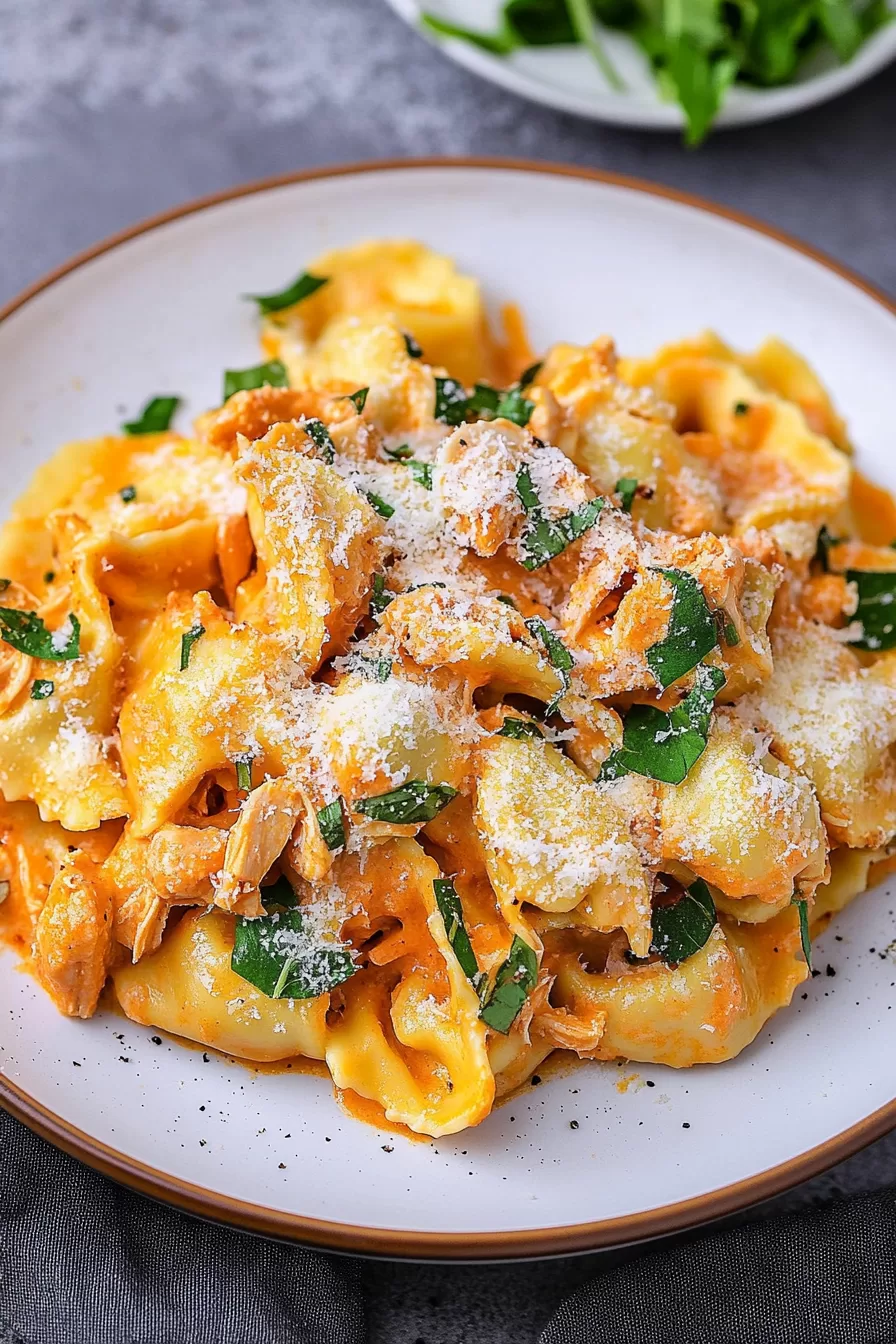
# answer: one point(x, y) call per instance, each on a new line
point(159, 308)
point(568, 79)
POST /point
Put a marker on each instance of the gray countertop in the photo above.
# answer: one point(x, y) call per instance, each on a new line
point(114, 109)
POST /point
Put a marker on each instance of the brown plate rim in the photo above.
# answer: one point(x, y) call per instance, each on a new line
point(345, 1237)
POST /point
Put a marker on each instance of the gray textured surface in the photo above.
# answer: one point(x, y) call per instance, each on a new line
point(114, 109)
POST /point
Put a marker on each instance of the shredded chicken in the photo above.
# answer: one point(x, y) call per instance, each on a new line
point(73, 940)
point(265, 824)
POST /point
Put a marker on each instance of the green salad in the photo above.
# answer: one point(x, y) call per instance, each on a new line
point(696, 48)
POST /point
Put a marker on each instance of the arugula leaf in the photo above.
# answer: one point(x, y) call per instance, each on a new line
point(320, 435)
point(841, 26)
point(155, 418)
point(380, 505)
point(413, 347)
point(187, 640)
point(452, 913)
point(626, 488)
point(512, 985)
point(546, 538)
point(663, 745)
point(421, 472)
point(450, 402)
point(409, 804)
point(271, 374)
point(700, 81)
point(519, 728)
point(128, 494)
point(278, 955)
point(802, 906)
point(25, 631)
point(332, 826)
point(498, 44)
point(876, 609)
point(680, 929)
point(558, 655)
point(582, 20)
point(243, 764)
point(691, 633)
point(301, 288)
point(380, 596)
point(359, 398)
point(41, 689)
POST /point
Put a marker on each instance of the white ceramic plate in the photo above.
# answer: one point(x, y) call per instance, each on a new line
point(567, 78)
point(160, 309)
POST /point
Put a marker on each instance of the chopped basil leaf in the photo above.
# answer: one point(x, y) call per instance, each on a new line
point(427, 583)
point(626, 488)
point(802, 906)
point(359, 398)
point(379, 504)
point(692, 630)
point(243, 765)
point(413, 347)
point(507, 600)
point(451, 401)
point(513, 983)
point(726, 630)
point(401, 453)
point(276, 954)
point(332, 827)
point(730, 634)
point(320, 435)
point(546, 538)
point(452, 913)
point(663, 745)
point(681, 929)
point(128, 493)
point(187, 640)
point(271, 374)
point(421, 472)
point(380, 597)
point(155, 418)
point(302, 288)
point(558, 654)
point(529, 375)
point(380, 668)
point(413, 802)
point(483, 401)
point(741, 407)
point(876, 609)
point(515, 407)
point(40, 689)
point(823, 548)
point(519, 728)
point(25, 631)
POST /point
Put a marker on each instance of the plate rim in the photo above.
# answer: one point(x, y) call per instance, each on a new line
point(389, 1242)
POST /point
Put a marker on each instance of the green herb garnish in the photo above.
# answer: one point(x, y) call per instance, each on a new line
point(332, 826)
point(529, 375)
point(626, 489)
point(187, 640)
point(155, 418)
point(376, 669)
point(421, 472)
point(665, 746)
point(380, 596)
point(802, 906)
point(507, 601)
point(320, 435)
point(450, 402)
point(128, 494)
point(402, 453)
point(413, 347)
point(271, 374)
point(359, 398)
point(876, 609)
point(545, 538)
point(376, 502)
point(276, 954)
point(682, 928)
point(512, 985)
point(301, 288)
point(25, 631)
point(558, 654)
point(691, 633)
point(519, 728)
point(243, 764)
point(823, 548)
point(408, 805)
point(452, 913)
point(41, 689)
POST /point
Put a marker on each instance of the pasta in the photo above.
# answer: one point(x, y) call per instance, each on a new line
point(431, 709)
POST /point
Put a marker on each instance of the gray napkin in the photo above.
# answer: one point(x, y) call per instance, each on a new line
point(84, 1261)
point(823, 1277)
